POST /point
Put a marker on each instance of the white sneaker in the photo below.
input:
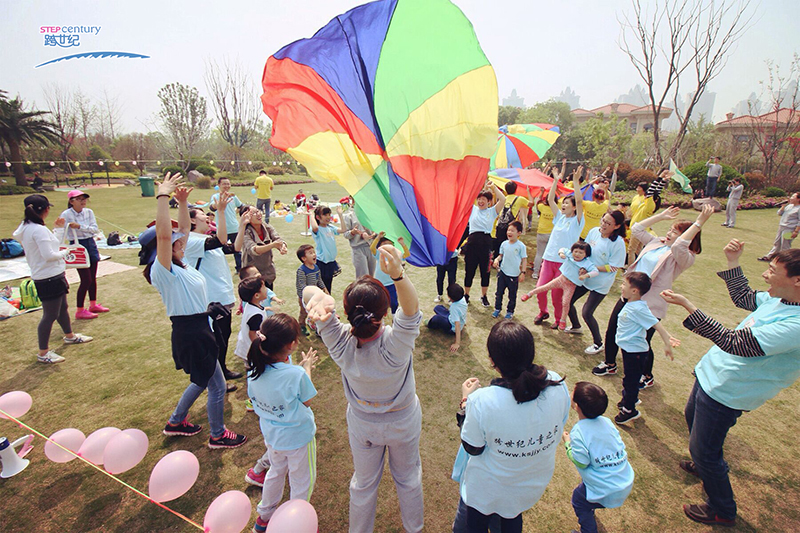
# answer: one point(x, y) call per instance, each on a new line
point(50, 357)
point(594, 349)
point(437, 299)
point(77, 339)
point(574, 331)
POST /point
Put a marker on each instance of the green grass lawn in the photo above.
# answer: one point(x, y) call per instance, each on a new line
point(126, 378)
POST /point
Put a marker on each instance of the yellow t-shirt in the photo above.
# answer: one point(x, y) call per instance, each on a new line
point(641, 208)
point(264, 187)
point(520, 203)
point(545, 226)
point(592, 213)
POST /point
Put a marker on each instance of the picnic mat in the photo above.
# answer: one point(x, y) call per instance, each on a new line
point(104, 268)
point(17, 268)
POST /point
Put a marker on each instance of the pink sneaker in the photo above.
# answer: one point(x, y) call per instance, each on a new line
point(97, 308)
point(84, 314)
point(255, 479)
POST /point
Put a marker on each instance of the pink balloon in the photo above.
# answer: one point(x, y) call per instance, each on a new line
point(16, 403)
point(228, 513)
point(125, 450)
point(173, 475)
point(294, 516)
point(69, 438)
point(95, 444)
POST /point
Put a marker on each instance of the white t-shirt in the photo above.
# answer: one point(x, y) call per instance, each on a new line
point(41, 250)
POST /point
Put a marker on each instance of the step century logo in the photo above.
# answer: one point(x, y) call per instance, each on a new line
point(70, 37)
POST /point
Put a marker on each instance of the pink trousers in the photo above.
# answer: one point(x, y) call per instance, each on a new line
point(550, 272)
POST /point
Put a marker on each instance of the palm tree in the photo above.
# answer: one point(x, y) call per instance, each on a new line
point(18, 127)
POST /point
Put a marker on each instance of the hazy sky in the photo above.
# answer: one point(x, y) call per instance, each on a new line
point(536, 47)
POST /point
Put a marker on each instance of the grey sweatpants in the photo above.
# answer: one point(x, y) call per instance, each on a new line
point(363, 260)
point(780, 243)
point(369, 443)
point(730, 213)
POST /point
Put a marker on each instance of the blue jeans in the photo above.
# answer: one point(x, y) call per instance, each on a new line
point(215, 405)
point(441, 319)
point(709, 422)
point(711, 186)
point(469, 520)
point(263, 205)
point(584, 509)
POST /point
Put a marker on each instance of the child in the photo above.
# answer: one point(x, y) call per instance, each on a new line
point(450, 269)
point(454, 319)
point(281, 393)
point(379, 242)
point(308, 273)
point(324, 233)
point(594, 445)
point(512, 263)
point(576, 268)
point(633, 322)
point(253, 293)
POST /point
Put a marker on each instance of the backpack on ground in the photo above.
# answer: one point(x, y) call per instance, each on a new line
point(506, 217)
point(29, 295)
point(113, 239)
point(10, 248)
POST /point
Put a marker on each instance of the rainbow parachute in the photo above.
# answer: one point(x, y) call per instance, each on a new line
point(519, 145)
point(395, 101)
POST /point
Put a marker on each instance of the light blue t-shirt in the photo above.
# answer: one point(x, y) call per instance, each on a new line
point(747, 382)
point(512, 253)
point(268, 303)
point(571, 269)
point(325, 243)
point(214, 268)
point(482, 220)
point(521, 440)
point(566, 232)
point(183, 290)
point(647, 262)
point(609, 476)
point(231, 220)
point(384, 278)
point(278, 395)
point(458, 313)
point(604, 252)
point(632, 324)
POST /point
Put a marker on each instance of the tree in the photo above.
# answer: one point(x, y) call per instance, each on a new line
point(87, 116)
point(603, 141)
point(507, 114)
point(678, 39)
point(183, 119)
point(64, 113)
point(135, 147)
point(110, 111)
point(18, 127)
point(549, 112)
point(235, 103)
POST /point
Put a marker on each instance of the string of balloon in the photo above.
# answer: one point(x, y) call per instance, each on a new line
point(112, 476)
point(135, 162)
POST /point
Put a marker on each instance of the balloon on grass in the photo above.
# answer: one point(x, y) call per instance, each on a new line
point(173, 476)
point(294, 516)
point(125, 450)
point(228, 513)
point(289, 217)
point(16, 403)
point(95, 444)
point(69, 438)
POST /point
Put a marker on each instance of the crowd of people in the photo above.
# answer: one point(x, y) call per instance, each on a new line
point(510, 428)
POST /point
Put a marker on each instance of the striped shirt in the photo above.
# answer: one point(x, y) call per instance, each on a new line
point(307, 277)
point(85, 218)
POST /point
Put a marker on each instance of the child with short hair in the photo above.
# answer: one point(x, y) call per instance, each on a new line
point(253, 293)
point(324, 232)
point(454, 319)
point(308, 274)
point(380, 241)
point(633, 322)
point(281, 394)
point(511, 262)
point(576, 268)
point(595, 447)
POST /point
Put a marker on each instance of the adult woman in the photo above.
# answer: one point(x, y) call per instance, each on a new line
point(567, 226)
point(479, 242)
point(80, 221)
point(544, 227)
point(256, 239)
point(608, 254)
point(510, 431)
point(788, 227)
point(47, 272)
point(206, 253)
point(383, 411)
point(663, 259)
point(183, 291)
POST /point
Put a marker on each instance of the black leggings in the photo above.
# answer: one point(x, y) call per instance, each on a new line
point(449, 269)
point(53, 310)
point(88, 283)
point(611, 347)
point(587, 312)
point(479, 246)
point(222, 334)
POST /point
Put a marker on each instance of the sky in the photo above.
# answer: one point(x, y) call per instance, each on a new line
point(535, 47)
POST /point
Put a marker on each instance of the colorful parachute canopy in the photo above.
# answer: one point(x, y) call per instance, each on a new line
point(520, 145)
point(395, 101)
point(534, 180)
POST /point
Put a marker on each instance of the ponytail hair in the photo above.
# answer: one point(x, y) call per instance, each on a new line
point(31, 215)
point(366, 302)
point(274, 336)
point(511, 349)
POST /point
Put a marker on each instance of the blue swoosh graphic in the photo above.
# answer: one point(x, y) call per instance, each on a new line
point(95, 55)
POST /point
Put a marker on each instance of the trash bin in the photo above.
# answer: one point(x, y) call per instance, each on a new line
point(146, 183)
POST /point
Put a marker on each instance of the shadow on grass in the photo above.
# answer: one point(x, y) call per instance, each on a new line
point(60, 490)
point(98, 512)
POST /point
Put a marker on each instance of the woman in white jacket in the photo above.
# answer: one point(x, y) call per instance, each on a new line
point(47, 272)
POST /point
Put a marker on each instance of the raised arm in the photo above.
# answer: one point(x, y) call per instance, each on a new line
point(501, 198)
point(392, 264)
point(551, 195)
point(163, 219)
point(576, 180)
point(312, 220)
point(222, 202)
point(244, 221)
point(696, 226)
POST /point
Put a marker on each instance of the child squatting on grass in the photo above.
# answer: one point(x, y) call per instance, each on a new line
point(281, 394)
point(454, 319)
point(595, 447)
